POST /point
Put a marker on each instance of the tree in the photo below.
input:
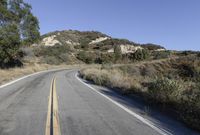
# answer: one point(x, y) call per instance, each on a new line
point(13, 15)
point(5, 15)
point(30, 29)
point(9, 45)
point(26, 21)
point(117, 52)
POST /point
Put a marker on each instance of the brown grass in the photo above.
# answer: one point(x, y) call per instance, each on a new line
point(29, 68)
point(112, 78)
point(170, 83)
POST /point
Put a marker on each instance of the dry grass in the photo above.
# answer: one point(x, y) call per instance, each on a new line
point(112, 78)
point(29, 68)
point(170, 83)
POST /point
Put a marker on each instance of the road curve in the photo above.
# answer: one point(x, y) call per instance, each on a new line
point(36, 105)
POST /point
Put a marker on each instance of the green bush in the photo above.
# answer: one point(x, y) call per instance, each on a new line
point(86, 57)
point(52, 50)
point(187, 70)
point(189, 106)
point(117, 53)
point(106, 58)
point(151, 46)
point(198, 54)
point(161, 54)
point(161, 90)
point(139, 55)
point(54, 55)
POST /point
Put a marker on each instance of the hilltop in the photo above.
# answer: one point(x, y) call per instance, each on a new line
point(92, 40)
point(73, 47)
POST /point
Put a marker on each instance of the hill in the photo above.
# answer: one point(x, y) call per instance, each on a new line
point(92, 39)
point(72, 47)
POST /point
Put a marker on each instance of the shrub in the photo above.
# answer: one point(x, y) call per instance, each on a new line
point(53, 55)
point(139, 55)
point(186, 53)
point(161, 54)
point(117, 53)
point(52, 50)
point(99, 77)
point(112, 78)
point(186, 70)
point(51, 60)
point(106, 58)
point(189, 106)
point(107, 66)
point(198, 54)
point(86, 57)
point(161, 90)
point(189, 69)
point(151, 46)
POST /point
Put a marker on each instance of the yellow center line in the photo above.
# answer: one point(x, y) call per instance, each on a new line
point(52, 124)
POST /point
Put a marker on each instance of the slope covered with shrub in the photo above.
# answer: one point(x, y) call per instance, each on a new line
point(172, 83)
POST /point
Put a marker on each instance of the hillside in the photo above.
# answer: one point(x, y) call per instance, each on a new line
point(73, 47)
point(170, 84)
point(91, 39)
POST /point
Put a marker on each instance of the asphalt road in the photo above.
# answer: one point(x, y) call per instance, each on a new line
point(57, 102)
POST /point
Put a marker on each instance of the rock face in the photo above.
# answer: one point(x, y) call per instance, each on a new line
point(50, 41)
point(127, 49)
point(98, 40)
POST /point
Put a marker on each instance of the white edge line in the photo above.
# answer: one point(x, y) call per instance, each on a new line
point(145, 121)
point(19, 79)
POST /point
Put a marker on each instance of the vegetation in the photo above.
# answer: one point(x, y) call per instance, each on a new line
point(86, 57)
point(54, 55)
point(170, 83)
point(117, 53)
point(9, 46)
point(160, 54)
point(17, 25)
point(152, 46)
point(162, 89)
point(139, 55)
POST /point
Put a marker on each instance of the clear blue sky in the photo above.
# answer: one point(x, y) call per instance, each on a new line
point(174, 24)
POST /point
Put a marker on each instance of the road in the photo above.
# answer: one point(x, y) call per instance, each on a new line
point(57, 102)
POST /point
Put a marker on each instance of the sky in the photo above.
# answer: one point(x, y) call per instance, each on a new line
point(174, 24)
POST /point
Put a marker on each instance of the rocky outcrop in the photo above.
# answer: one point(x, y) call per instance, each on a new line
point(50, 41)
point(98, 40)
point(127, 49)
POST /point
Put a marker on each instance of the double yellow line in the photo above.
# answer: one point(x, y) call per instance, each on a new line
point(52, 124)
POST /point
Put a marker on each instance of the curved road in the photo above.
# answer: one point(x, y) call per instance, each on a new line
point(57, 102)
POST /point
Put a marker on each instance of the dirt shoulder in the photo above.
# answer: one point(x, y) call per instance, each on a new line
point(7, 75)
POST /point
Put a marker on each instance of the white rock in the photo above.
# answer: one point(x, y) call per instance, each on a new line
point(127, 49)
point(50, 41)
point(159, 50)
point(98, 40)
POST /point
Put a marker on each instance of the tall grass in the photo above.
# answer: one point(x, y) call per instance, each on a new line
point(173, 84)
